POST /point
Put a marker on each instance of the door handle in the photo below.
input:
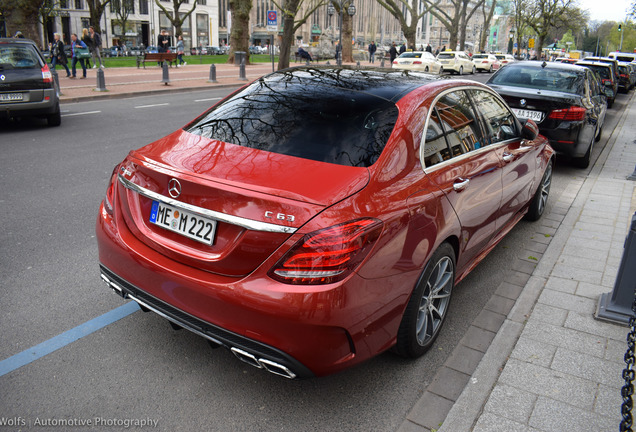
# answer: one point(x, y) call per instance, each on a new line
point(508, 157)
point(460, 184)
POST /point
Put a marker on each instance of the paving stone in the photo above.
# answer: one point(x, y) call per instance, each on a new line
point(553, 416)
point(560, 284)
point(530, 256)
point(568, 272)
point(574, 250)
point(499, 304)
point(534, 352)
point(492, 423)
point(592, 291)
point(448, 383)
point(489, 320)
point(588, 367)
point(615, 350)
point(591, 227)
point(430, 411)
point(549, 314)
point(548, 227)
point(567, 301)
point(509, 290)
point(586, 323)
point(549, 383)
point(581, 261)
point(582, 243)
point(409, 426)
point(477, 338)
point(523, 266)
point(537, 247)
point(511, 403)
point(566, 338)
point(541, 238)
point(515, 278)
point(608, 401)
point(464, 359)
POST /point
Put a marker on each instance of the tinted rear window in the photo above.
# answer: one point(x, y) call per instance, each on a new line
point(480, 56)
point(446, 55)
point(603, 71)
point(306, 120)
point(566, 81)
point(410, 55)
point(18, 57)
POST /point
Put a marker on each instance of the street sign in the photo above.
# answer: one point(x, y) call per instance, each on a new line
point(531, 43)
point(272, 21)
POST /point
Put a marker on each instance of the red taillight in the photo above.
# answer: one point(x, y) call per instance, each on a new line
point(572, 114)
point(485, 61)
point(47, 76)
point(328, 255)
point(417, 62)
point(109, 199)
point(624, 76)
point(395, 62)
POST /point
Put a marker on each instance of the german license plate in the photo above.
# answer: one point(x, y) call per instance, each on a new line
point(528, 114)
point(187, 224)
point(10, 96)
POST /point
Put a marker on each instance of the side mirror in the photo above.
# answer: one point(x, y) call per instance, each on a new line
point(530, 130)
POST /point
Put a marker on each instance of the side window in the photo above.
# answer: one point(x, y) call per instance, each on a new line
point(452, 129)
point(499, 123)
point(594, 88)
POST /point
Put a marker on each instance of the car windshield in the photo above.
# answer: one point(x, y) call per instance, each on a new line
point(603, 71)
point(566, 81)
point(480, 56)
point(318, 122)
point(446, 55)
point(411, 55)
point(18, 57)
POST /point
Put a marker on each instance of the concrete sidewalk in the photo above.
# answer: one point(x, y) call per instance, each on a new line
point(551, 366)
point(127, 81)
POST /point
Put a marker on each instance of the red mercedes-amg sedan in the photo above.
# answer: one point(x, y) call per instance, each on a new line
point(320, 216)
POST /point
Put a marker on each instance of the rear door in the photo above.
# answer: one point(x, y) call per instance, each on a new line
point(466, 169)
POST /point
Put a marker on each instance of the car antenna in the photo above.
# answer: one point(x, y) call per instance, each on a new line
point(544, 64)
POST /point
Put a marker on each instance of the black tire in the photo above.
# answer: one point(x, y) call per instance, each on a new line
point(474, 70)
point(425, 314)
point(600, 135)
point(461, 70)
point(426, 69)
point(584, 162)
point(55, 119)
point(610, 102)
point(490, 70)
point(540, 198)
point(441, 70)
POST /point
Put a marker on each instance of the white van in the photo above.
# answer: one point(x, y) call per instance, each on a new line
point(624, 57)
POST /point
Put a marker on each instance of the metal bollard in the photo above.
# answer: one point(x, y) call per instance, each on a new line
point(328, 63)
point(242, 76)
point(212, 73)
point(616, 306)
point(166, 74)
point(358, 63)
point(307, 62)
point(382, 62)
point(632, 176)
point(101, 82)
point(56, 78)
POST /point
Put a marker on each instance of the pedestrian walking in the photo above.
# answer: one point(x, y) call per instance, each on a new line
point(88, 42)
point(163, 42)
point(428, 48)
point(180, 51)
point(96, 43)
point(58, 56)
point(77, 43)
point(403, 48)
point(372, 49)
point(392, 52)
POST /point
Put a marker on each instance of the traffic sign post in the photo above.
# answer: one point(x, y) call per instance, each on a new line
point(272, 27)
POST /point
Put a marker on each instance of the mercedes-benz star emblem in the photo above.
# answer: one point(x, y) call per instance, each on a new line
point(2, 77)
point(174, 188)
point(522, 102)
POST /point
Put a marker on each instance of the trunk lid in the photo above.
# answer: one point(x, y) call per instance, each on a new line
point(257, 198)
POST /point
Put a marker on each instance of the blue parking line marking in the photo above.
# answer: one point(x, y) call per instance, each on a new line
point(47, 347)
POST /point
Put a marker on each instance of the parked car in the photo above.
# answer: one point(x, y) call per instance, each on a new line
point(311, 221)
point(152, 49)
point(566, 101)
point(566, 60)
point(505, 59)
point(609, 85)
point(456, 61)
point(28, 88)
point(624, 78)
point(486, 62)
point(608, 60)
point(422, 61)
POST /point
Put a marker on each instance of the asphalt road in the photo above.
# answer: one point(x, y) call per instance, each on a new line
point(52, 181)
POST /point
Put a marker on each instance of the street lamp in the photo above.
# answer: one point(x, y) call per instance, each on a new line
point(351, 11)
point(510, 41)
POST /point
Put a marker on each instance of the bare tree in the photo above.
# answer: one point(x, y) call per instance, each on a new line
point(96, 10)
point(48, 10)
point(240, 33)
point(22, 15)
point(289, 10)
point(456, 18)
point(176, 19)
point(487, 18)
point(408, 13)
point(542, 15)
point(122, 10)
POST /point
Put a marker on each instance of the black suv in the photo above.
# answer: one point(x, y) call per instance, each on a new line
point(27, 87)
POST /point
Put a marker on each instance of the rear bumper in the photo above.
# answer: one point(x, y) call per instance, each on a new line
point(568, 138)
point(41, 107)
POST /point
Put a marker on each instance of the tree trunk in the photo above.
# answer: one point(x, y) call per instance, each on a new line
point(409, 34)
point(96, 9)
point(23, 16)
point(347, 46)
point(286, 42)
point(240, 37)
